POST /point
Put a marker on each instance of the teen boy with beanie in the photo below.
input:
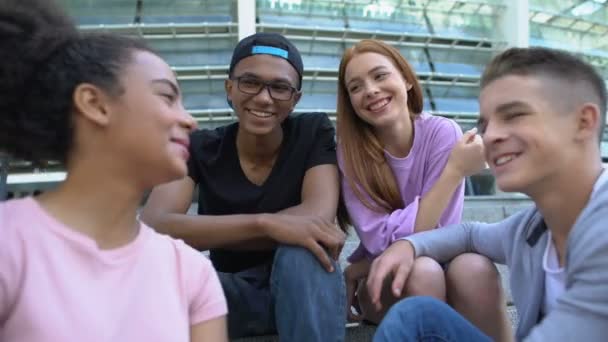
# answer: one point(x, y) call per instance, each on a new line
point(268, 195)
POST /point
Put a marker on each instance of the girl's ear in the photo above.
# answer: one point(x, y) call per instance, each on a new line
point(92, 103)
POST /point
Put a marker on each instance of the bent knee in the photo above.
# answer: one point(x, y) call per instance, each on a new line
point(471, 267)
point(426, 279)
point(473, 278)
point(300, 260)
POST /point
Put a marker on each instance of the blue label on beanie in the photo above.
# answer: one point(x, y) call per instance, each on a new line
point(269, 50)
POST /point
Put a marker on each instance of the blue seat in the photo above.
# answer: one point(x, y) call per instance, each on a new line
point(388, 26)
point(205, 101)
point(321, 61)
point(426, 105)
point(203, 94)
point(420, 67)
point(185, 58)
point(456, 105)
point(458, 68)
point(194, 51)
point(301, 21)
point(548, 43)
point(461, 32)
point(317, 101)
point(178, 18)
point(103, 19)
point(101, 12)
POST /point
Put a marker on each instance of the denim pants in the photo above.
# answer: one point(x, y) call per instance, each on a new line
point(294, 297)
point(426, 319)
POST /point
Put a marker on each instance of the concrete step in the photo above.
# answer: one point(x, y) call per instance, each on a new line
point(354, 333)
point(360, 332)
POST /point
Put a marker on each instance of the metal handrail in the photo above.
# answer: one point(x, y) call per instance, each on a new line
point(3, 176)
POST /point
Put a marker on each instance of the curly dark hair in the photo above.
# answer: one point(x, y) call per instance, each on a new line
point(43, 58)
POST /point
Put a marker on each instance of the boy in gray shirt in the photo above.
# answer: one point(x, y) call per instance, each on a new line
point(542, 114)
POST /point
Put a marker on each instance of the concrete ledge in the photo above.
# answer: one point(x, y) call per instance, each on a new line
point(361, 332)
point(354, 333)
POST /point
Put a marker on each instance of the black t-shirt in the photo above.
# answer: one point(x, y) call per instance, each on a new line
point(308, 141)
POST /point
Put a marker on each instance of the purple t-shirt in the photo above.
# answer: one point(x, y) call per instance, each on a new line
point(434, 137)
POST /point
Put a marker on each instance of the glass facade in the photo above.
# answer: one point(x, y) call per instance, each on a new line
point(579, 26)
point(574, 25)
point(448, 42)
point(195, 37)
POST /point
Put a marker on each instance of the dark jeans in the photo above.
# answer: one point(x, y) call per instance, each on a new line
point(426, 319)
point(294, 297)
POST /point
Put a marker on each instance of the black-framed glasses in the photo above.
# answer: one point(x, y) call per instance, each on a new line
point(280, 91)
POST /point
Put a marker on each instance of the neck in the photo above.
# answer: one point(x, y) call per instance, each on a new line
point(398, 137)
point(101, 205)
point(562, 201)
point(259, 147)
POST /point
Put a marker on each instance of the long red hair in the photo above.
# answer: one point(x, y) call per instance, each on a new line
point(365, 165)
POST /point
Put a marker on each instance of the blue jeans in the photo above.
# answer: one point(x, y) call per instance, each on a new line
point(426, 319)
point(294, 297)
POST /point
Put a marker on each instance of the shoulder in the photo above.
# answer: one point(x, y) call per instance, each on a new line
point(205, 137)
point(309, 122)
point(436, 128)
point(19, 229)
point(526, 225)
point(206, 144)
point(185, 257)
point(16, 216)
point(588, 235)
point(524, 233)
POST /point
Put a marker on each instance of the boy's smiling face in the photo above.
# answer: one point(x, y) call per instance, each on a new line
point(528, 131)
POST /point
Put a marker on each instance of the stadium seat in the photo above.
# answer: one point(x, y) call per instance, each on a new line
point(458, 105)
point(458, 68)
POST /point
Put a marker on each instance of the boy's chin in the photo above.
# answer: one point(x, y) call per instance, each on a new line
point(510, 185)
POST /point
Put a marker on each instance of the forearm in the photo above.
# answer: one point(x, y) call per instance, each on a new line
point(328, 213)
point(303, 209)
point(235, 232)
point(206, 231)
point(487, 239)
point(435, 201)
point(443, 244)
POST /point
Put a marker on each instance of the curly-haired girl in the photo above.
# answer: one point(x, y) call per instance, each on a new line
point(76, 264)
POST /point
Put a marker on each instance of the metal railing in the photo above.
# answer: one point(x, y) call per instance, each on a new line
point(3, 176)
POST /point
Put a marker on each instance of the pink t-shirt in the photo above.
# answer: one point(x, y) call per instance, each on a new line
point(57, 285)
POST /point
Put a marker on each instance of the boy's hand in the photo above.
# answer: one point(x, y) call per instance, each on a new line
point(314, 233)
point(396, 260)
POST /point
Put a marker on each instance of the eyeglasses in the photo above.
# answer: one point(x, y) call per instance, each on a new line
point(280, 91)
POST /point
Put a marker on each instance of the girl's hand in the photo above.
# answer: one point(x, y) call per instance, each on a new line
point(467, 157)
